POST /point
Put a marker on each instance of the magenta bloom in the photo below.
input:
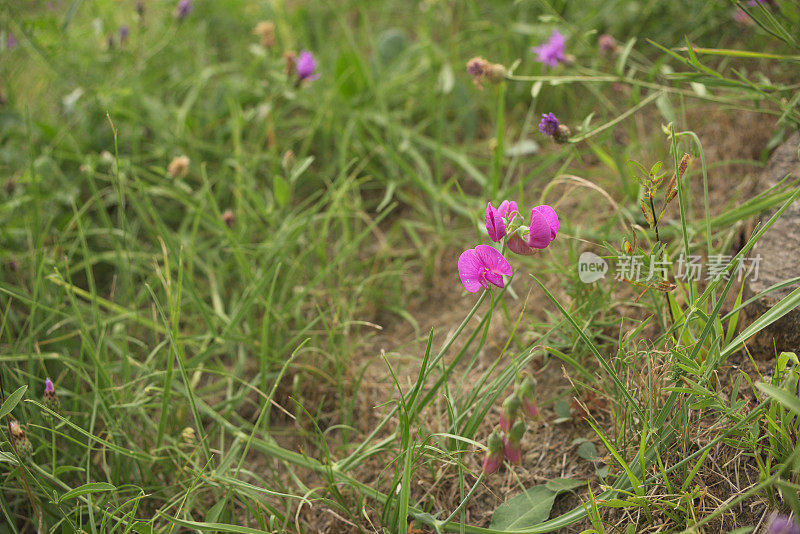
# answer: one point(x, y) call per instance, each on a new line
point(549, 124)
point(482, 266)
point(551, 53)
point(306, 66)
point(48, 386)
point(542, 231)
point(184, 9)
point(496, 218)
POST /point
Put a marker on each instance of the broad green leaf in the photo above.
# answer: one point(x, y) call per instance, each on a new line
point(91, 487)
point(560, 485)
point(588, 451)
point(529, 508)
point(12, 401)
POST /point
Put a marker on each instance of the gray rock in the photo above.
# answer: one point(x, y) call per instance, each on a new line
point(779, 249)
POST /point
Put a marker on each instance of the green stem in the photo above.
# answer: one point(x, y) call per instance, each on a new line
point(500, 138)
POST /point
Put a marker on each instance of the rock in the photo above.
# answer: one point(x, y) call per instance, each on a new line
point(779, 250)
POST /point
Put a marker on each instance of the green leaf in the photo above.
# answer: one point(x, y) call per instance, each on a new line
point(91, 487)
point(529, 508)
point(281, 190)
point(560, 485)
point(588, 451)
point(789, 400)
point(12, 401)
point(142, 528)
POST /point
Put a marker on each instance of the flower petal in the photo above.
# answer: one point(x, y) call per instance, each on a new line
point(494, 223)
point(517, 245)
point(551, 217)
point(540, 234)
point(470, 269)
point(493, 260)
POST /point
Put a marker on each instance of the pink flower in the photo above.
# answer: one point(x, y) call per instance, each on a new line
point(48, 386)
point(482, 266)
point(551, 53)
point(496, 218)
point(542, 231)
point(306, 66)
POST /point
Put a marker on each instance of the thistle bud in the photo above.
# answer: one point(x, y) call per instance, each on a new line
point(512, 443)
point(178, 167)
point(18, 437)
point(527, 396)
point(290, 58)
point(510, 409)
point(478, 67)
point(562, 134)
point(266, 30)
point(494, 454)
point(496, 73)
point(50, 397)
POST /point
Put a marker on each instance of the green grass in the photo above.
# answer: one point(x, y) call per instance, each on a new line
point(221, 377)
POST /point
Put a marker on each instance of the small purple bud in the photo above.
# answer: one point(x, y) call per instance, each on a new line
point(549, 124)
point(48, 386)
point(123, 34)
point(184, 9)
point(305, 66)
point(11, 41)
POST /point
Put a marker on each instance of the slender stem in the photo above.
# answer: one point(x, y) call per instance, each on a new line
point(500, 138)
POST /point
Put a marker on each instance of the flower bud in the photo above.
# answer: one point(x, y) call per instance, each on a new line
point(494, 454)
point(188, 435)
point(496, 73)
point(18, 437)
point(627, 247)
point(512, 443)
point(50, 397)
point(228, 218)
point(510, 409)
point(562, 134)
point(527, 396)
point(266, 30)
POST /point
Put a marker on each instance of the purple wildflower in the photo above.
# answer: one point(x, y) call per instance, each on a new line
point(306, 65)
point(11, 41)
point(184, 9)
point(49, 389)
point(494, 454)
point(549, 124)
point(551, 53)
point(782, 524)
point(542, 231)
point(482, 266)
point(607, 43)
point(496, 218)
point(124, 31)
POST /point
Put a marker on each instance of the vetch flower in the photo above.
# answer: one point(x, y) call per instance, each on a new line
point(124, 31)
point(482, 266)
point(551, 53)
point(510, 410)
point(496, 218)
point(494, 454)
point(549, 124)
point(184, 9)
point(541, 232)
point(305, 66)
point(527, 397)
point(512, 443)
point(782, 524)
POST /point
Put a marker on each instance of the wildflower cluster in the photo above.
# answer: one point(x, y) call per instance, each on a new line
point(507, 443)
point(485, 265)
